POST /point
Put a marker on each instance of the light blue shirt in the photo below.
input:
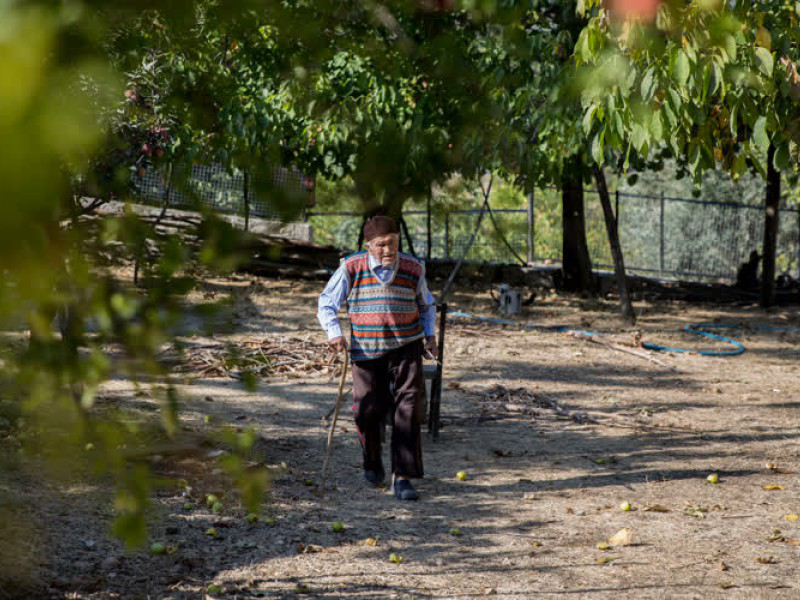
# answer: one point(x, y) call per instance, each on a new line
point(338, 288)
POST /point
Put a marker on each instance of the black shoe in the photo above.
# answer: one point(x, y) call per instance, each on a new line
point(403, 490)
point(375, 478)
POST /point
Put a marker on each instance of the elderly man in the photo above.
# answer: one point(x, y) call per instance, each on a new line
point(392, 319)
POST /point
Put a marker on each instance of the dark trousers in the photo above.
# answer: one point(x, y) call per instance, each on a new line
point(373, 381)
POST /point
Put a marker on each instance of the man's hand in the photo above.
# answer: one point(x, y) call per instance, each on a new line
point(431, 348)
point(338, 343)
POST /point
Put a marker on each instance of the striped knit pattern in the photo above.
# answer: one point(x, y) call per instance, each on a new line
point(383, 316)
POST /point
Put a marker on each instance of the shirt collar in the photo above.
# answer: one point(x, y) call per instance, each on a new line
point(374, 263)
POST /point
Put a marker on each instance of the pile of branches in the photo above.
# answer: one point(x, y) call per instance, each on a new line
point(270, 357)
point(499, 399)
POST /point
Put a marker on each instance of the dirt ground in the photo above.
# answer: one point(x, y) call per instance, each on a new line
point(544, 487)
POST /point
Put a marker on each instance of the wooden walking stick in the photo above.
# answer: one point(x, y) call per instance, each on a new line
point(329, 449)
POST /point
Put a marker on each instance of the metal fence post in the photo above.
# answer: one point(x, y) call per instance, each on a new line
point(447, 235)
point(246, 201)
point(661, 240)
point(429, 240)
point(531, 238)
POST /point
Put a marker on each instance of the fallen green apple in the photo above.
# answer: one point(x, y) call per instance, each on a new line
point(461, 475)
point(211, 532)
point(269, 521)
point(713, 478)
point(455, 531)
point(395, 558)
point(211, 499)
point(188, 506)
point(157, 548)
point(625, 506)
point(214, 589)
point(216, 508)
point(337, 527)
point(251, 518)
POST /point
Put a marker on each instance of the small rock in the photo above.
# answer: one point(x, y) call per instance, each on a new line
point(109, 563)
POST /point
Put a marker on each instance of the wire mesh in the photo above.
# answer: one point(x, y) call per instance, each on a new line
point(214, 187)
point(669, 237)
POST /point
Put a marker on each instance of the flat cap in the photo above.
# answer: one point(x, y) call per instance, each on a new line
point(378, 226)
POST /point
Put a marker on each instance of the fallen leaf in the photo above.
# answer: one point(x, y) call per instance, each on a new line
point(370, 542)
point(792, 542)
point(606, 559)
point(603, 546)
point(624, 537)
point(725, 585)
point(776, 536)
point(772, 488)
point(694, 510)
point(310, 549)
point(792, 518)
point(776, 469)
point(536, 543)
point(766, 560)
point(656, 508)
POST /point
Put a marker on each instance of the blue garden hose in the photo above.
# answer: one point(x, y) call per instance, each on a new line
point(696, 329)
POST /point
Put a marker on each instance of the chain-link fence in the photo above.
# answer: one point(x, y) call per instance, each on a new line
point(236, 192)
point(662, 236)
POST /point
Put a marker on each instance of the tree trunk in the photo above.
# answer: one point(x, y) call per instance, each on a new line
point(771, 214)
point(626, 308)
point(576, 263)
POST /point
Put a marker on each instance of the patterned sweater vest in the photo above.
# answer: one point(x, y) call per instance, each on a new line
point(382, 316)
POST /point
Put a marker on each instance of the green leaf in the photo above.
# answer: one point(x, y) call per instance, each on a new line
point(648, 86)
point(782, 160)
point(694, 156)
point(760, 137)
point(739, 166)
point(765, 61)
point(639, 136)
point(681, 69)
point(582, 51)
point(672, 120)
point(656, 127)
point(714, 79)
point(597, 147)
point(735, 120)
point(675, 101)
point(588, 118)
point(729, 45)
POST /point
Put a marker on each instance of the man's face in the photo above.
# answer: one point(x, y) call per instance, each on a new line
point(384, 248)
